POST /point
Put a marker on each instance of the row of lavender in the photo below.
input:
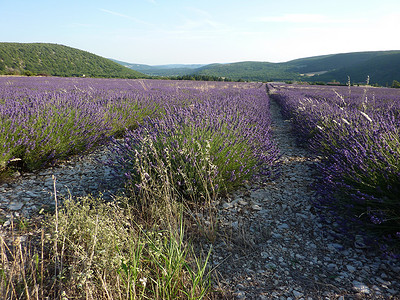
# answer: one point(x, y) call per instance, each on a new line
point(208, 134)
point(46, 119)
point(211, 146)
point(356, 130)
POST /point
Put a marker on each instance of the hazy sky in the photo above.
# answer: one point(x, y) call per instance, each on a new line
point(205, 31)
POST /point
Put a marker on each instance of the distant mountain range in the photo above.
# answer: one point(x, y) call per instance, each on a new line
point(381, 67)
point(162, 70)
point(58, 60)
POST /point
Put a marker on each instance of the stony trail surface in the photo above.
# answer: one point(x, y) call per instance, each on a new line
point(270, 245)
point(275, 247)
point(28, 193)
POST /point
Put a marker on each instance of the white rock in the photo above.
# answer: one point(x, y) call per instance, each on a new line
point(227, 205)
point(361, 287)
point(297, 294)
point(240, 295)
point(242, 202)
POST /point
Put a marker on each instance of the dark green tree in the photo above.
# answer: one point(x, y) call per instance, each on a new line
point(396, 84)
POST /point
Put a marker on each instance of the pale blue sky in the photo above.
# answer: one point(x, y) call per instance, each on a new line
point(206, 31)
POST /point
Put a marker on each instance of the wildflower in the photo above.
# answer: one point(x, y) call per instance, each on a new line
point(374, 219)
point(143, 281)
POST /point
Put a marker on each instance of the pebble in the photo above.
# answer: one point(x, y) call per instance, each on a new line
point(350, 268)
point(283, 226)
point(227, 205)
point(240, 295)
point(335, 246)
point(242, 202)
point(332, 267)
point(297, 294)
point(13, 205)
point(361, 287)
point(359, 242)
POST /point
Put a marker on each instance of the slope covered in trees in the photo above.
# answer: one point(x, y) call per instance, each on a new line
point(382, 67)
point(57, 60)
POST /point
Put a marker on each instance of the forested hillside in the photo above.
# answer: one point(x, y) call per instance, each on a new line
point(382, 67)
point(250, 70)
point(57, 60)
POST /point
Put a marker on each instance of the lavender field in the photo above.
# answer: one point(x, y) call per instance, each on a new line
point(173, 143)
point(180, 147)
point(355, 131)
point(223, 128)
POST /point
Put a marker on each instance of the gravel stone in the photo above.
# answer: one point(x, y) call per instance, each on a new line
point(361, 287)
point(15, 205)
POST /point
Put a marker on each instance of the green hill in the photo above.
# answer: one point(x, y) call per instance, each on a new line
point(58, 60)
point(382, 69)
point(250, 70)
point(381, 66)
point(334, 61)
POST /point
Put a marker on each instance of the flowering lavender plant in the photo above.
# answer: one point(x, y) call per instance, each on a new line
point(46, 119)
point(214, 144)
point(358, 137)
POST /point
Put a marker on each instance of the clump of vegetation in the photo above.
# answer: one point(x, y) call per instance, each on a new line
point(395, 84)
point(221, 143)
point(97, 250)
point(43, 120)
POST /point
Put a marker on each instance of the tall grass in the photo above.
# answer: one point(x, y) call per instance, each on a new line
point(96, 250)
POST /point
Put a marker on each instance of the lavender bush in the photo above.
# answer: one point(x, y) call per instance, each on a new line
point(356, 131)
point(213, 145)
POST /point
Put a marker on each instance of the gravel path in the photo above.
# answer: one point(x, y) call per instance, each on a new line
point(274, 247)
point(28, 193)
